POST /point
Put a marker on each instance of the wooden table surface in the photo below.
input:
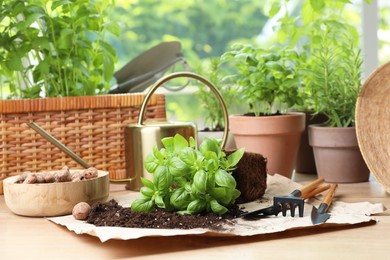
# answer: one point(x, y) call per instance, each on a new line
point(38, 238)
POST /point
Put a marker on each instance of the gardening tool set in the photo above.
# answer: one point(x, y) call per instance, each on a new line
point(296, 200)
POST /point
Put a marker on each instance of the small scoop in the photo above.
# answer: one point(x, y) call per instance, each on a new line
point(320, 215)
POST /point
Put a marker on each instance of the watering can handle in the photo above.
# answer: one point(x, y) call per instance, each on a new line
point(216, 92)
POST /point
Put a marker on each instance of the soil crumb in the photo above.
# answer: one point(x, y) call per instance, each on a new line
point(112, 214)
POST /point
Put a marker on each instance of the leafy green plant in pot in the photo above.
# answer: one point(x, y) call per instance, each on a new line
point(54, 64)
point(213, 114)
point(334, 80)
point(301, 28)
point(270, 83)
point(56, 48)
point(187, 180)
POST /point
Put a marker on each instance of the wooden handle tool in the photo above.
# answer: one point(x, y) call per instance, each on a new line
point(316, 191)
point(320, 215)
point(311, 186)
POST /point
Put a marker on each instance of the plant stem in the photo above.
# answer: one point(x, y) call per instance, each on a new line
point(51, 28)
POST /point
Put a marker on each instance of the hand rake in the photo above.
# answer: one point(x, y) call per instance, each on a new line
point(295, 199)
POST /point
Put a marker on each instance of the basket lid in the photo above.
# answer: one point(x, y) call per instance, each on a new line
point(373, 124)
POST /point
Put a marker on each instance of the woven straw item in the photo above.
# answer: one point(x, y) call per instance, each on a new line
point(373, 124)
point(91, 126)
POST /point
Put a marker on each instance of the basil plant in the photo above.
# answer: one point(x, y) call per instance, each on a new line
point(188, 180)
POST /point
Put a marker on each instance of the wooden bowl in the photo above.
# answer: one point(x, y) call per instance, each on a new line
point(53, 199)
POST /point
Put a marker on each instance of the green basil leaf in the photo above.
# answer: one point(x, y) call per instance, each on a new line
point(235, 157)
point(192, 142)
point(188, 156)
point(210, 145)
point(180, 143)
point(217, 208)
point(223, 195)
point(158, 199)
point(147, 192)
point(142, 204)
point(179, 181)
point(158, 153)
point(188, 187)
point(224, 179)
point(236, 194)
point(151, 163)
point(177, 167)
point(212, 161)
point(180, 199)
point(162, 179)
point(210, 180)
point(163, 154)
point(200, 181)
point(168, 143)
point(147, 183)
point(196, 206)
point(219, 193)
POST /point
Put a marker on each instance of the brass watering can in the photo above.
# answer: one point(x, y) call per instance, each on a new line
point(140, 137)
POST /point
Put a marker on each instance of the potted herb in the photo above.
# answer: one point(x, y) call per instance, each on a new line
point(187, 180)
point(213, 114)
point(333, 79)
point(54, 64)
point(270, 82)
point(56, 48)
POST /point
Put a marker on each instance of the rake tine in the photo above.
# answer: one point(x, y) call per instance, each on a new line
point(284, 209)
point(292, 210)
point(300, 208)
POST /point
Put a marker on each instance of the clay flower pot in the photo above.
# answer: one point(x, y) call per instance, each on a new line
point(305, 159)
point(277, 138)
point(337, 154)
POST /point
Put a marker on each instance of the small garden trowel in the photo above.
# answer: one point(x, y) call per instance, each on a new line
point(320, 215)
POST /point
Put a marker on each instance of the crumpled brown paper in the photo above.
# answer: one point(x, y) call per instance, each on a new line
point(341, 213)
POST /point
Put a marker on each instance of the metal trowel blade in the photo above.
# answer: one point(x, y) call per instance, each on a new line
point(318, 216)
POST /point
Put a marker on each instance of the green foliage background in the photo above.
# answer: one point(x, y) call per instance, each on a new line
point(205, 28)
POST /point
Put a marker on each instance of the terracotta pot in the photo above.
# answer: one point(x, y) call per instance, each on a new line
point(305, 159)
point(230, 144)
point(337, 154)
point(275, 137)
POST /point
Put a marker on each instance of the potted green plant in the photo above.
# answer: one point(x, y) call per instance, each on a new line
point(270, 82)
point(333, 79)
point(54, 64)
point(55, 49)
point(303, 30)
point(213, 114)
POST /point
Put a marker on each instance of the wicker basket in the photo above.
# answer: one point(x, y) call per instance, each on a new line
point(91, 126)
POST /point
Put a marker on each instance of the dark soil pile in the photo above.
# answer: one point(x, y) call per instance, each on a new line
point(112, 214)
